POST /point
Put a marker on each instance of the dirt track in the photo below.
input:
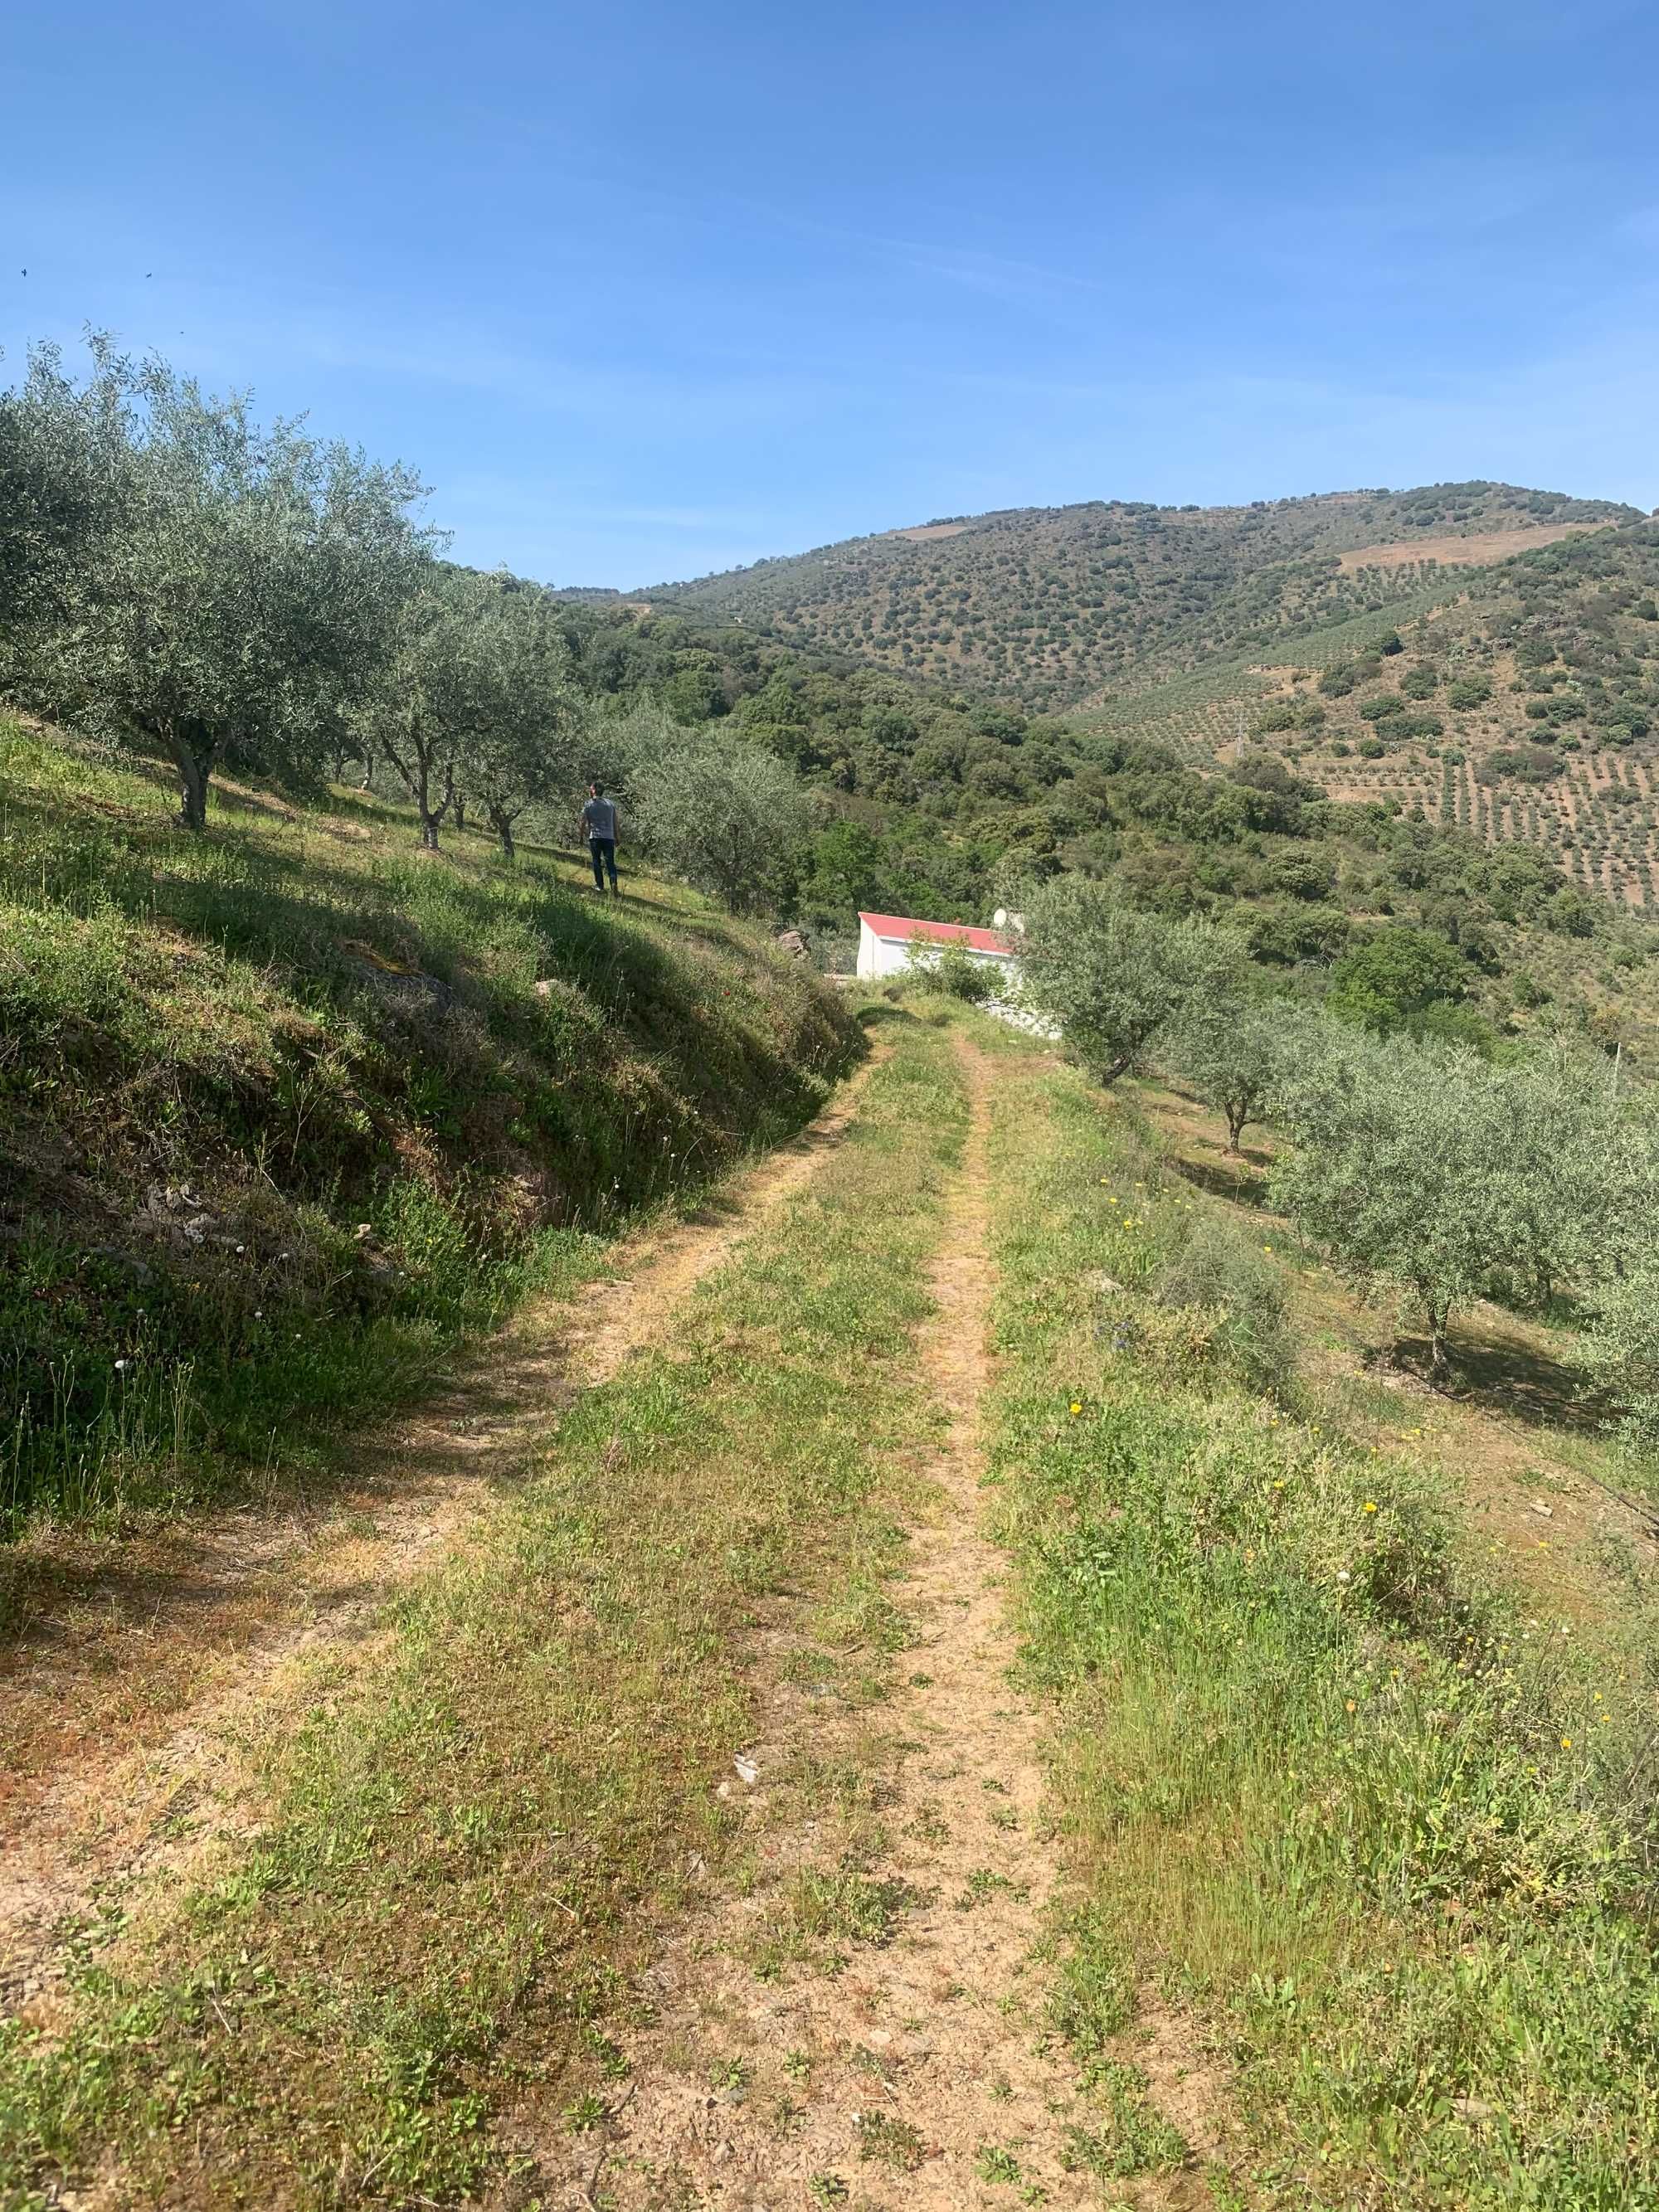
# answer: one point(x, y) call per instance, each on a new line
point(123, 1697)
point(901, 2078)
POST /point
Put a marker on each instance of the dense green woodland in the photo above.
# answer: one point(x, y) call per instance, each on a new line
point(943, 804)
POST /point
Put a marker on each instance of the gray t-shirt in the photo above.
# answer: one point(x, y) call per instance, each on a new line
point(599, 818)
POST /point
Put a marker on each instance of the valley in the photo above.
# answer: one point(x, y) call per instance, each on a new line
point(640, 1574)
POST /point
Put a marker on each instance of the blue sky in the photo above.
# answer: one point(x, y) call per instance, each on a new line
point(649, 290)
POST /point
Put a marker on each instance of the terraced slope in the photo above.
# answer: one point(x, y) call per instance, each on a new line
point(287, 1108)
point(1522, 707)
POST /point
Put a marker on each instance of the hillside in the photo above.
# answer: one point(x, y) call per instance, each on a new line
point(934, 803)
point(289, 1106)
point(1052, 606)
point(1524, 709)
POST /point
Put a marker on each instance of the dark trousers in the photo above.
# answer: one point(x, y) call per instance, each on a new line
point(604, 850)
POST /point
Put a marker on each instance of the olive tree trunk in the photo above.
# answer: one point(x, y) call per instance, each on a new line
point(192, 755)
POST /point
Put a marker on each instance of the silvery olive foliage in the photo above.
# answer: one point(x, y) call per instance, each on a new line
point(724, 815)
point(176, 574)
point(1111, 979)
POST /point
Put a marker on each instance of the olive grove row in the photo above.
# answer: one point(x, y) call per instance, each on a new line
point(1531, 1180)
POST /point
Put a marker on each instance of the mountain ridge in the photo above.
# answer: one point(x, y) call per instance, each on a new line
point(1055, 607)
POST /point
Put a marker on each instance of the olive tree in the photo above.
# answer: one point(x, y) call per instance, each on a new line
point(1112, 980)
point(1576, 1157)
point(441, 692)
point(523, 730)
point(1399, 1164)
point(1619, 1350)
point(232, 601)
point(66, 467)
point(1233, 1047)
point(726, 817)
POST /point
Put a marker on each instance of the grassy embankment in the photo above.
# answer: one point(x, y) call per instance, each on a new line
point(1332, 1782)
point(288, 1109)
point(463, 1828)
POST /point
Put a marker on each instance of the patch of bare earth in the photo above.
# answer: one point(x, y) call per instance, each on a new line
point(1473, 551)
point(126, 1698)
point(779, 2057)
point(923, 530)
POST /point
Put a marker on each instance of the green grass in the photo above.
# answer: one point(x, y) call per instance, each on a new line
point(245, 1184)
point(1387, 1833)
point(465, 1831)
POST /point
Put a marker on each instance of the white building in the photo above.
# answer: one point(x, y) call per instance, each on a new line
point(885, 942)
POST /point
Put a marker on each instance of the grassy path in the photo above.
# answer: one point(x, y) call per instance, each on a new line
point(396, 1885)
point(168, 1656)
point(935, 1721)
point(861, 2017)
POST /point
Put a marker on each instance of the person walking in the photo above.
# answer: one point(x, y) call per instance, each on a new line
point(599, 821)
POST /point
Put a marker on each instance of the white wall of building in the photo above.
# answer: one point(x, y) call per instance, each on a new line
point(890, 956)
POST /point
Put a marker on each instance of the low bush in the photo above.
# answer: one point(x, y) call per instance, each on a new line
point(1468, 691)
point(947, 964)
point(1212, 1268)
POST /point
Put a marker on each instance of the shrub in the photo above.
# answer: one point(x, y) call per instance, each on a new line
point(1419, 682)
point(947, 964)
point(1397, 973)
point(1217, 1271)
point(1519, 764)
point(1468, 691)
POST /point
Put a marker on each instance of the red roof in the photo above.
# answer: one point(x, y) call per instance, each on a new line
point(898, 924)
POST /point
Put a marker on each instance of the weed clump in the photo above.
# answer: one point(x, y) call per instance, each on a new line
point(1211, 1269)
